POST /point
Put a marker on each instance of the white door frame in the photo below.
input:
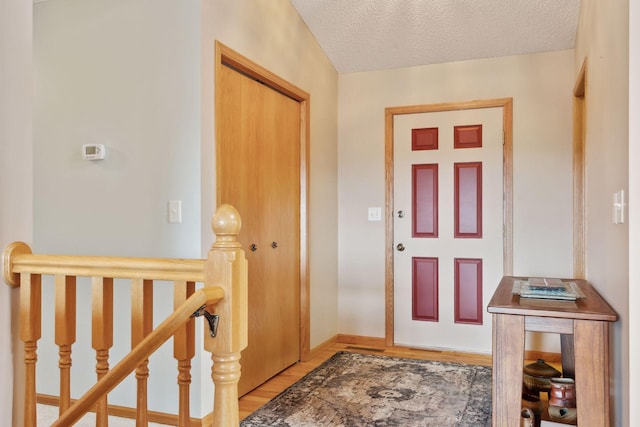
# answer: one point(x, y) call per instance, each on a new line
point(507, 169)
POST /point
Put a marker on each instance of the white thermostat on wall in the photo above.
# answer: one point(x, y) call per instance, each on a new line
point(93, 151)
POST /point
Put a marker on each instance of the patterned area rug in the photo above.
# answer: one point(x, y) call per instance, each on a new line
point(352, 389)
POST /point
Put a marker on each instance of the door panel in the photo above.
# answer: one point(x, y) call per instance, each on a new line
point(258, 171)
point(425, 288)
point(467, 203)
point(425, 200)
point(458, 200)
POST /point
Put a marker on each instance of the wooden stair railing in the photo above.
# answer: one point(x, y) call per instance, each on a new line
point(137, 356)
point(224, 274)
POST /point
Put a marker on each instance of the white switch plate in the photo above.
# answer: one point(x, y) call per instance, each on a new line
point(175, 211)
point(375, 214)
point(618, 207)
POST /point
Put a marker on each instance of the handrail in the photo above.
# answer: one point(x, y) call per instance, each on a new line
point(224, 277)
point(164, 331)
point(19, 259)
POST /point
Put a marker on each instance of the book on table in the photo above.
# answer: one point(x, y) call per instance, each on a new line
point(545, 288)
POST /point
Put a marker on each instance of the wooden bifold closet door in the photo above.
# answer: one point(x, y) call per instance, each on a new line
point(258, 171)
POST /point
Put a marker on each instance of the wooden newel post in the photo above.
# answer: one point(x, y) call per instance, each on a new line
point(30, 321)
point(226, 267)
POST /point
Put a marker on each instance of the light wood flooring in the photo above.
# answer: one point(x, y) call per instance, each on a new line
point(261, 395)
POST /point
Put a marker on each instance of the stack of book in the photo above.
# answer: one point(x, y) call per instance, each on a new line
point(549, 289)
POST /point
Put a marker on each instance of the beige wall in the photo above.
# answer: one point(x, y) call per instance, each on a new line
point(603, 39)
point(124, 73)
point(16, 183)
point(634, 207)
point(540, 85)
point(137, 75)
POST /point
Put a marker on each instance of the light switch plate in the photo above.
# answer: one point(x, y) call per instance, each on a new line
point(618, 207)
point(375, 214)
point(175, 211)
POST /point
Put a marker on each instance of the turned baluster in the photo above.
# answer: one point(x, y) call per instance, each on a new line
point(226, 267)
point(65, 335)
point(102, 335)
point(184, 349)
point(30, 333)
point(141, 326)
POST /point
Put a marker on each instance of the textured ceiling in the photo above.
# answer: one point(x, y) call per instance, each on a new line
point(366, 35)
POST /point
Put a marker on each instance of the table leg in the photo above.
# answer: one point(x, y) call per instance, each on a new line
point(591, 340)
point(568, 356)
point(508, 358)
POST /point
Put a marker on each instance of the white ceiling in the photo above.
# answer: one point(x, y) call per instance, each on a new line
point(367, 35)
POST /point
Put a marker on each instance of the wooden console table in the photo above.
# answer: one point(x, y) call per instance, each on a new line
point(584, 338)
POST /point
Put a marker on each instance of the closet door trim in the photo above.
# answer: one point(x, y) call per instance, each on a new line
point(230, 58)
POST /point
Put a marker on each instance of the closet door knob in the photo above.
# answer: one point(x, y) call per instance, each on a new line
point(253, 247)
point(400, 247)
point(274, 245)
